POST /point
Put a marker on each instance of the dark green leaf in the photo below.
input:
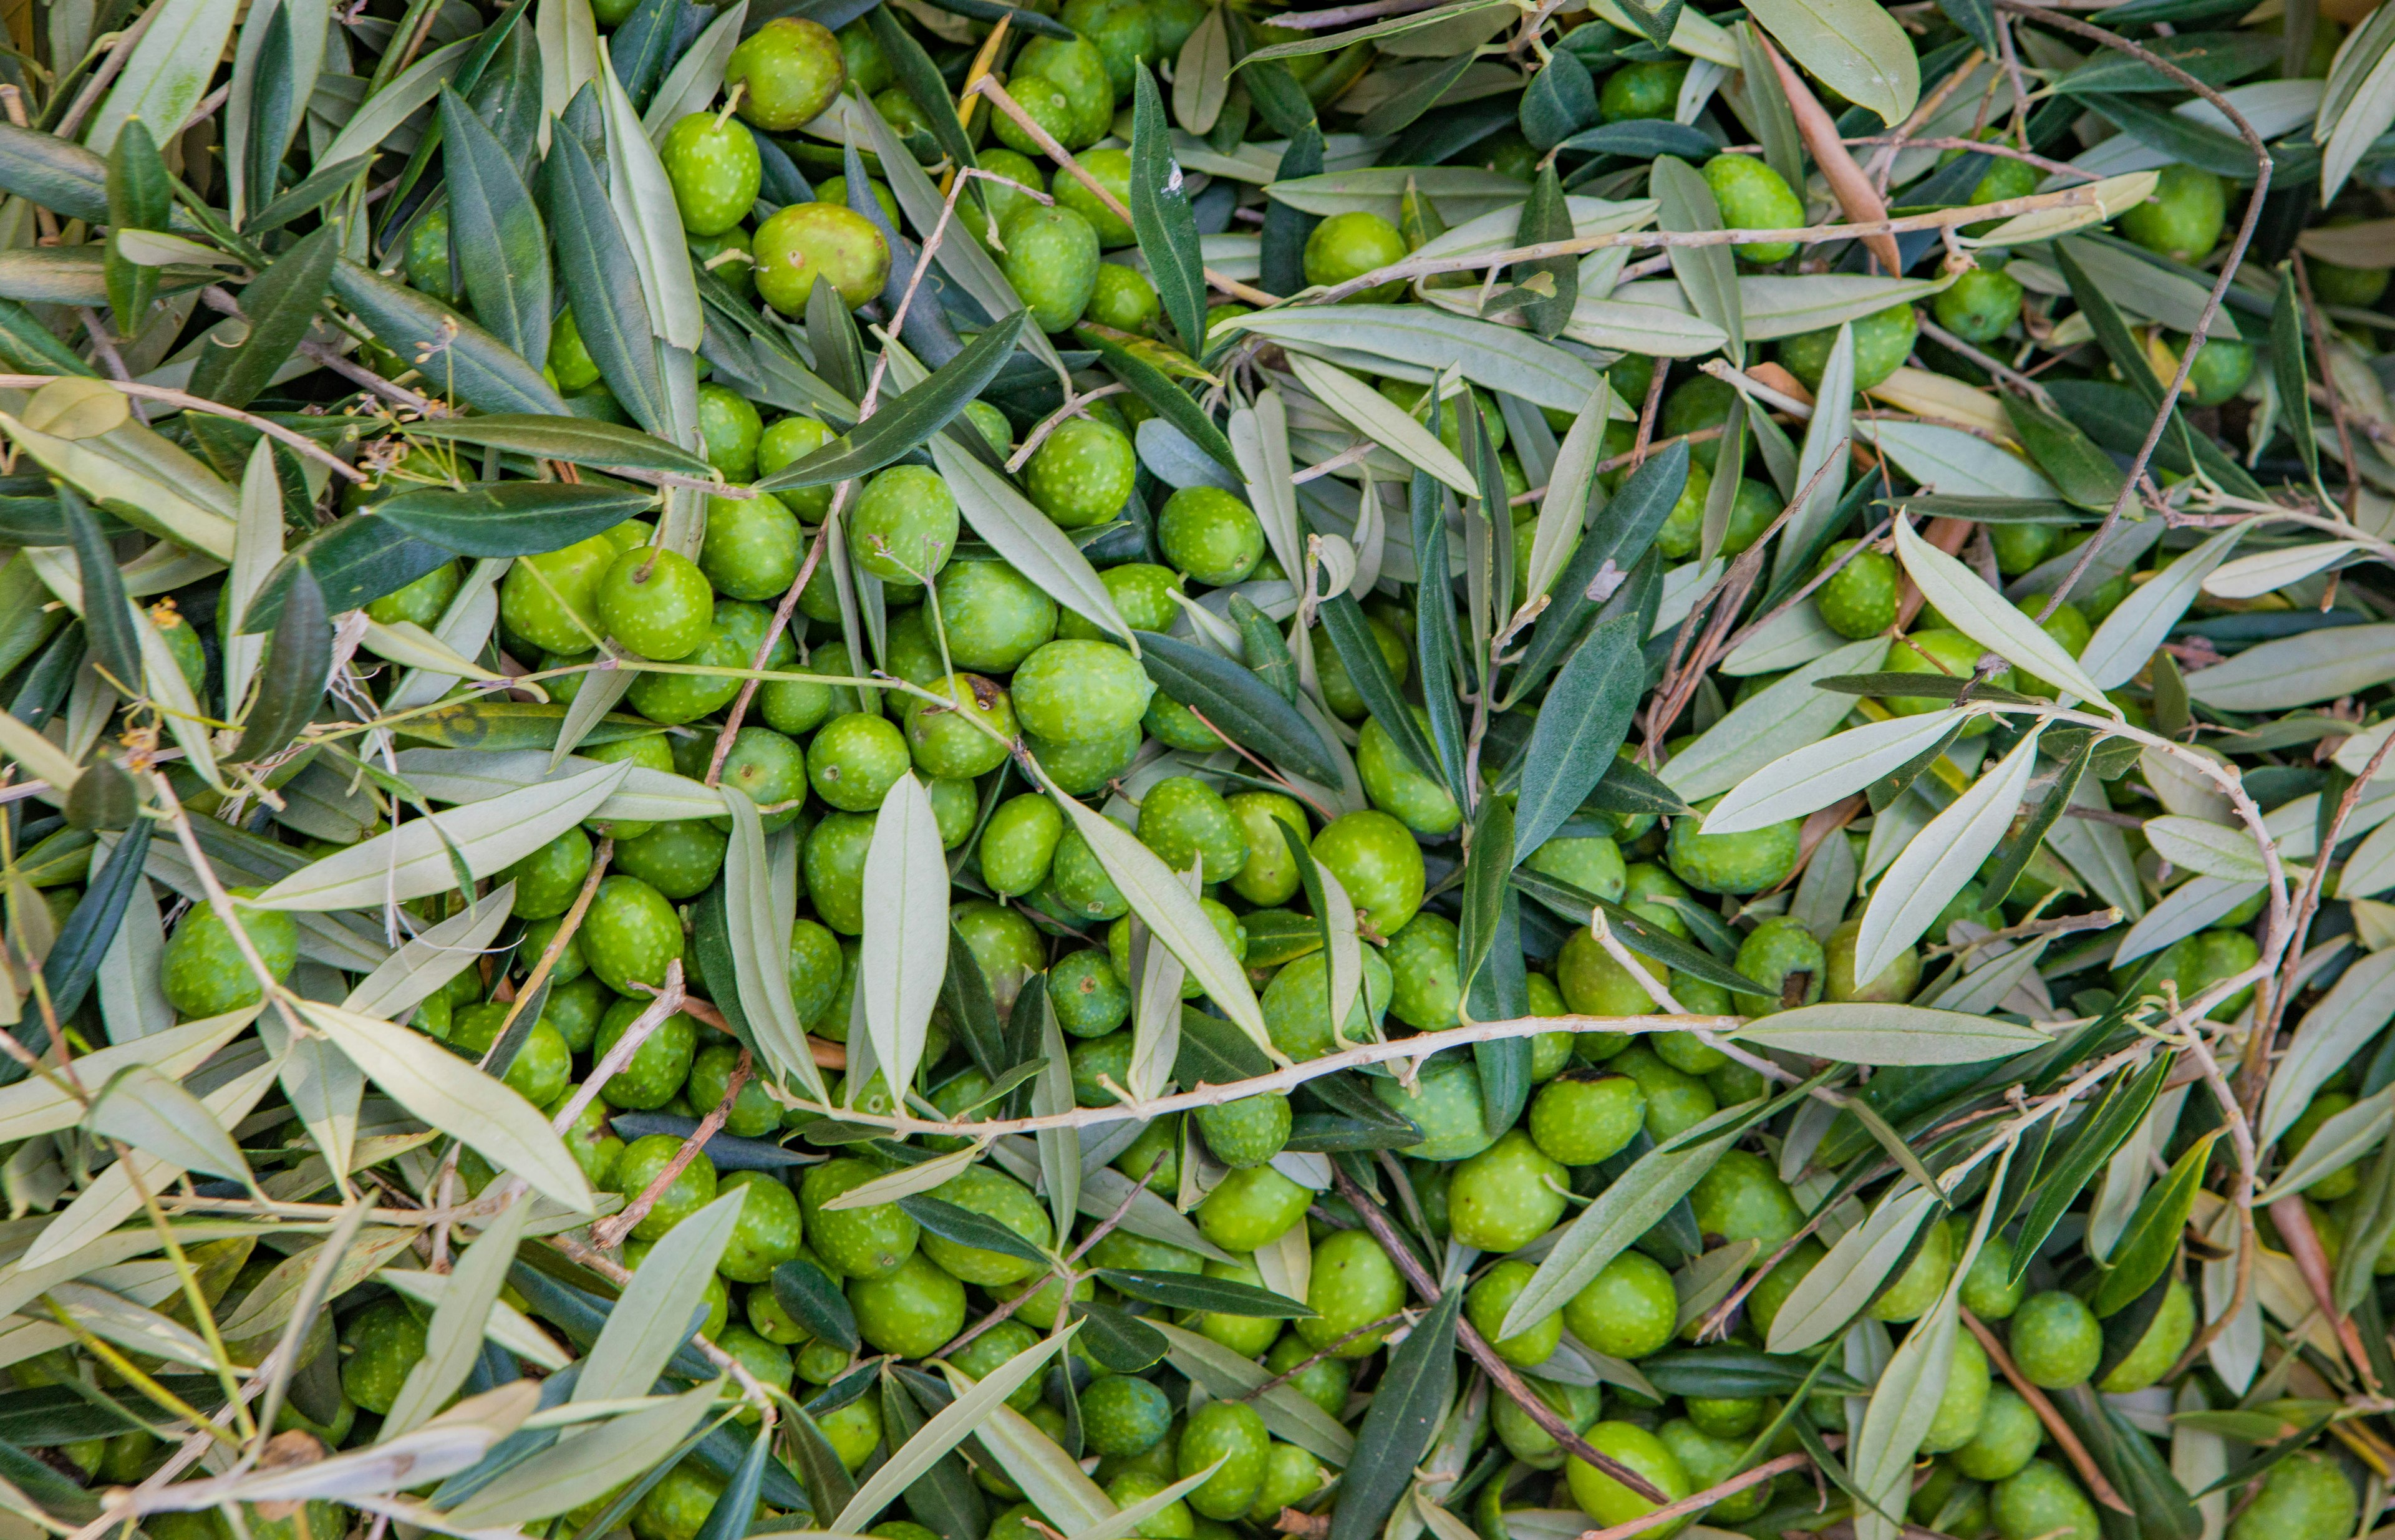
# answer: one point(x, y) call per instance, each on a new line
point(1956, 505)
point(455, 354)
point(953, 1222)
point(816, 1302)
point(1406, 1408)
point(107, 617)
point(140, 194)
point(2013, 859)
point(1118, 1340)
point(643, 46)
point(1331, 1133)
point(919, 80)
point(1352, 637)
point(990, 11)
point(274, 108)
point(2215, 58)
point(1489, 858)
point(906, 422)
point(1632, 788)
point(1267, 650)
point(944, 1498)
point(830, 1486)
point(1169, 402)
point(2246, 1470)
point(75, 958)
point(1729, 1371)
point(1434, 638)
point(1658, 21)
point(1240, 704)
point(1619, 538)
point(29, 347)
point(1287, 227)
point(518, 518)
point(601, 283)
point(2289, 372)
point(279, 304)
point(1500, 992)
point(1560, 102)
point(831, 334)
point(2150, 1244)
point(2100, 1133)
point(306, 196)
point(1182, 1291)
point(578, 440)
point(56, 174)
point(103, 797)
point(972, 1010)
point(353, 562)
point(1637, 933)
point(291, 678)
point(1585, 718)
point(1402, 107)
point(502, 248)
point(1161, 221)
point(1642, 138)
point(736, 1506)
point(1215, 1052)
point(2080, 470)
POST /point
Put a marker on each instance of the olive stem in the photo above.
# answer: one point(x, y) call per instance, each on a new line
point(1500, 1373)
point(1698, 1501)
point(2081, 1461)
point(610, 1233)
point(556, 948)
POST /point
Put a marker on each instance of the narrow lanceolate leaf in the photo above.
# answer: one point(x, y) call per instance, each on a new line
point(512, 518)
point(1810, 779)
point(899, 963)
point(759, 936)
point(454, 1341)
point(901, 425)
point(144, 1108)
point(1158, 898)
point(279, 304)
point(1585, 717)
point(594, 263)
point(1861, 1032)
point(1406, 1410)
point(657, 1311)
point(584, 441)
point(1987, 618)
point(1846, 1280)
point(1854, 46)
point(2290, 374)
point(291, 677)
point(1938, 860)
point(413, 859)
point(108, 619)
point(1627, 1209)
point(1708, 275)
point(458, 1100)
point(1244, 707)
point(2149, 1246)
point(502, 245)
point(1160, 216)
point(2339, 1141)
point(456, 355)
point(943, 1432)
point(2209, 848)
point(2140, 622)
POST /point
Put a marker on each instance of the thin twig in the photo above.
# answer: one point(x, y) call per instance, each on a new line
point(2075, 1452)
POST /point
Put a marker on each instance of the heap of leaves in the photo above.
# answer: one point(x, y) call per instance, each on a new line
point(1406, 947)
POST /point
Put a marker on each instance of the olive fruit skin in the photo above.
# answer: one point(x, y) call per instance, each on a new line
point(866, 1242)
point(1348, 245)
point(1981, 305)
point(2006, 1439)
point(1584, 1116)
point(715, 171)
point(1493, 1296)
point(2040, 1499)
point(1252, 1208)
point(792, 68)
point(1753, 196)
point(1627, 1310)
point(1607, 1500)
point(201, 970)
point(1355, 1283)
point(909, 1310)
point(1051, 259)
point(2183, 218)
point(2056, 1340)
point(1883, 341)
point(1081, 475)
point(807, 241)
point(1233, 1433)
point(1506, 1196)
point(2305, 1497)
